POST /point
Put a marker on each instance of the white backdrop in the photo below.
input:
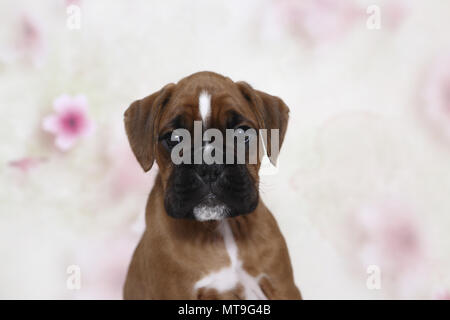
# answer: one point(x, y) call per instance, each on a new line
point(364, 173)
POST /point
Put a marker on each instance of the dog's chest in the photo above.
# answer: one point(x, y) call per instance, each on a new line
point(234, 275)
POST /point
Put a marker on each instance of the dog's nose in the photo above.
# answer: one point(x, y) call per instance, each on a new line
point(209, 172)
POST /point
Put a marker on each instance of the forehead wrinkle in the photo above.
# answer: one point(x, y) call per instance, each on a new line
point(230, 104)
point(184, 113)
point(223, 97)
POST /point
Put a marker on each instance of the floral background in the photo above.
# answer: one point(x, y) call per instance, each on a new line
point(364, 175)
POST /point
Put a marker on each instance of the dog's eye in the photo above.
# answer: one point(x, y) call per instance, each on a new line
point(242, 132)
point(170, 140)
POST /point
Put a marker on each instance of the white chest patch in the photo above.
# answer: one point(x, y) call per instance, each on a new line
point(204, 105)
point(229, 277)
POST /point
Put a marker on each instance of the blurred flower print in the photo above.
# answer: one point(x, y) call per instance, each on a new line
point(365, 163)
point(72, 2)
point(26, 164)
point(30, 40)
point(319, 21)
point(394, 13)
point(70, 122)
point(391, 238)
point(104, 265)
point(127, 175)
point(442, 294)
point(436, 95)
point(322, 22)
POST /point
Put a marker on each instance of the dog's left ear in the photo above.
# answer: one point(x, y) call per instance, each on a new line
point(141, 125)
point(272, 113)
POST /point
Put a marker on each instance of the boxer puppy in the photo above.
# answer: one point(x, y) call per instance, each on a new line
point(208, 233)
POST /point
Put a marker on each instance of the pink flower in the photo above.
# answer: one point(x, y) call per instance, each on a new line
point(442, 294)
point(127, 176)
point(436, 95)
point(391, 234)
point(395, 13)
point(30, 42)
point(73, 2)
point(26, 164)
point(318, 20)
point(392, 239)
point(70, 122)
point(104, 265)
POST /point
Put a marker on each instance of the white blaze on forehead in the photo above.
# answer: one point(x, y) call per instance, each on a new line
point(204, 105)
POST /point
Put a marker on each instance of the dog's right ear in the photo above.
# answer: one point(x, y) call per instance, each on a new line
point(272, 113)
point(141, 125)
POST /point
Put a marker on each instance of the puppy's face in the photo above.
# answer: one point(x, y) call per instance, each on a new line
point(197, 190)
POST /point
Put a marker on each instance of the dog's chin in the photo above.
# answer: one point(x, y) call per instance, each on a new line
point(211, 208)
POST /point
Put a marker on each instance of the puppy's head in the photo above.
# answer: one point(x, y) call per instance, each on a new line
point(205, 190)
